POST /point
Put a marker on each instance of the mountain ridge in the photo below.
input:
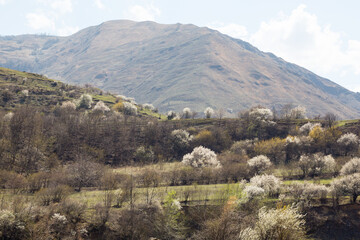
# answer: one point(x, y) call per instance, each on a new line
point(175, 66)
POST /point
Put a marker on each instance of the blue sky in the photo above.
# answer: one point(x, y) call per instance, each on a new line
point(320, 35)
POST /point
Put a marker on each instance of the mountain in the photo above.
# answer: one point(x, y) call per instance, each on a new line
point(176, 66)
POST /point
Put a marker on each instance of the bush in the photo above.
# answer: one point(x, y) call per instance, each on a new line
point(53, 194)
point(148, 106)
point(201, 157)
point(10, 227)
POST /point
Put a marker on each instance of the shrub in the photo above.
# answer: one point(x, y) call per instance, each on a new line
point(118, 107)
point(201, 157)
point(269, 183)
point(8, 116)
point(100, 106)
point(209, 112)
point(259, 164)
point(85, 101)
point(10, 227)
point(144, 155)
point(273, 224)
point(352, 166)
point(53, 194)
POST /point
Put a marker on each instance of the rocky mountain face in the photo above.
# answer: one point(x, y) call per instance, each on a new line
point(176, 66)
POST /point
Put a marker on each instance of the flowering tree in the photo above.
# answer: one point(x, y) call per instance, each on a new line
point(349, 142)
point(129, 108)
point(201, 157)
point(280, 223)
point(148, 106)
point(259, 164)
point(269, 183)
point(316, 164)
point(171, 115)
point(100, 106)
point(84, 101)
point(252, 192)
point(352, 166)
point(307, 127)
point(209, 112)
point(347, 186)
point(261, 113)
point(181, 140)
point(186, 113)
point(68, 105)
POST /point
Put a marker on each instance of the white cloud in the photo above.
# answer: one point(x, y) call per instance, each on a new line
point(142, 13)
point(3, 2)
point(39, 21)
point(299, 38)
point(99, 4)
point(63, 6)
point(67, 31)
point(231, 29)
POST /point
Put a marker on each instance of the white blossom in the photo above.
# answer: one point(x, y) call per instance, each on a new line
point(100, 106)
point(261, 114)
point(307, 127)
point(316, 164)
point(252, 191)
point(68, 105)
point(209, 112)
point(25, 92)
point(348, 139)
point(280, 223)
point(148, 106)
point(8, 116)
point(259, 164)
point(352, 166)
point(129, 108)
point(85, 101)
point(186, 112)
point(201, 157)
point(269, 183)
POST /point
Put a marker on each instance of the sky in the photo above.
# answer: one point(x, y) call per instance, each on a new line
point(320, 35)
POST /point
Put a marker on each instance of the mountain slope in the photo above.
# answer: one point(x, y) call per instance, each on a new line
point(176, 66)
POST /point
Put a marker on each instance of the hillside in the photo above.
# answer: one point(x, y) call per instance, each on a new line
point(176, 66)
point(23, 88)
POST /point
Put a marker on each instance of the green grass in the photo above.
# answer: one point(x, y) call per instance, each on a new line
point(105, 98)
point(344, 122)
point(321, 181)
